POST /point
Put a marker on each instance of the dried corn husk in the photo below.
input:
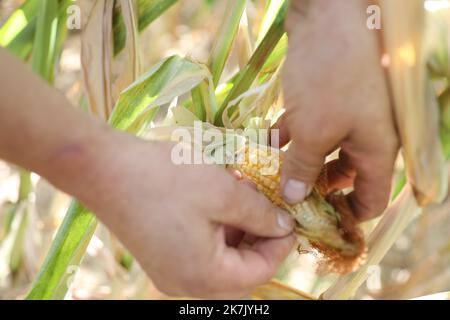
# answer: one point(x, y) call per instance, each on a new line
point(275, 290)
point(416, 109)
point(97, 63)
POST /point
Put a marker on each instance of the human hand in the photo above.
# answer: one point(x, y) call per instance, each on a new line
point(336, 96)
point(183, 222)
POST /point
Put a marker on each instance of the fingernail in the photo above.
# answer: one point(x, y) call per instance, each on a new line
point(295, 191)
point(285, 220)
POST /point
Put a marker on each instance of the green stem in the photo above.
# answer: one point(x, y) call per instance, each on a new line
point(248, 75)
point(25, 185)
point(228, 31)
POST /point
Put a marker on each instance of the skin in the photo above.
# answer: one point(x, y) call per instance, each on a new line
point(197, 230)
point(337, 96)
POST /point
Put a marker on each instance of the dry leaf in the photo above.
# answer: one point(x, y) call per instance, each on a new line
point(416, 109)
point(96, 58)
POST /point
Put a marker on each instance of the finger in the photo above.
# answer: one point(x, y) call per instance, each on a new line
point(245, 268)
point(248, 183)
point(302, 165)
point(250, 211)
point(243, 180)
point(248, 240)
point(372, 185)
point(235, 173)
point(340, 173)
point(279, 131)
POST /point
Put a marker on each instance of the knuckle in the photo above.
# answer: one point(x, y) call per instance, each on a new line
point(222, 205)
point(245, 218)
point(225, 193)
point(302, 168)
point(366, 209)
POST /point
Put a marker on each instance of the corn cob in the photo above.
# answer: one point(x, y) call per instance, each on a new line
point(325, 220)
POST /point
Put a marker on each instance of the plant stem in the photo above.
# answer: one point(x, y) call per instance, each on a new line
point(25, 185)
point(256, 63)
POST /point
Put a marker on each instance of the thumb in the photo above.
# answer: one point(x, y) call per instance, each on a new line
point(301, 167)
point(252, 212)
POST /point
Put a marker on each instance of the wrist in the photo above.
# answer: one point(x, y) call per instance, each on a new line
point(75, 165)
point(107, 166)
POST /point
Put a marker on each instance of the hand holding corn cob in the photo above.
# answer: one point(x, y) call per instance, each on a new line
point(324, 219)
point(336, 96)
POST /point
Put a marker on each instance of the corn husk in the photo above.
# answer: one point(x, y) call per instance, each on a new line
point(276, 290)
point(97, 63)
point(416, 109)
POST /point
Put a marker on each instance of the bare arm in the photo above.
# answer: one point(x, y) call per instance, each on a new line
point(41, 131)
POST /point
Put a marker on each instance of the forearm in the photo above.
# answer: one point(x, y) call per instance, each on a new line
point(41, 132)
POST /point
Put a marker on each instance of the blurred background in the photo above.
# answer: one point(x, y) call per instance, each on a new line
point(418, 264)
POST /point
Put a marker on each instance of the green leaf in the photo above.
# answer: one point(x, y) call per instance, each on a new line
point(270, 15)
point(139, 103)
point(203, 100)
point(44, 47)
point(226, 35)
point(17, 249)
point(18, 31)
point(198, 103)
point(444, 102)
point(400, 182)
point(275, 59)
point(12, 246)
point(17, 34)
point(248, 75)
point(9, 211)
point(67, 250)
point(148, 11)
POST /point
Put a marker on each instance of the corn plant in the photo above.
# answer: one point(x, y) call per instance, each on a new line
point(251, 97)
